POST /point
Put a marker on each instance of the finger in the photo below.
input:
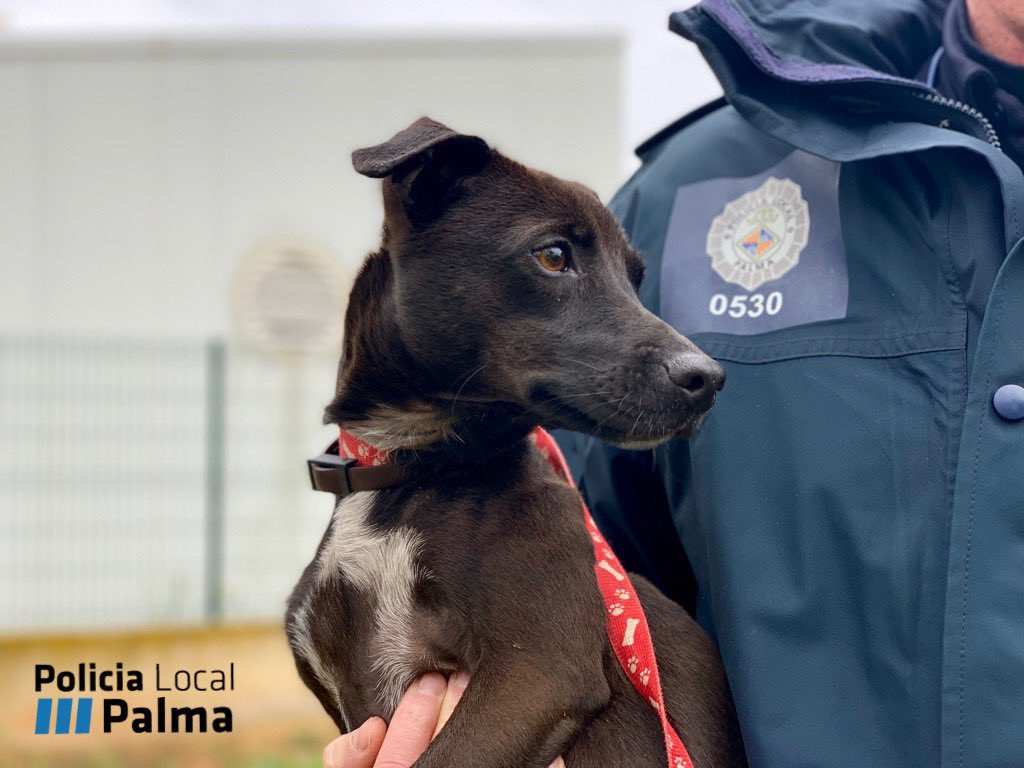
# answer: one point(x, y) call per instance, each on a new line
point(357, 749)
point(413, 723)
point(559, 763)
point(456, 687)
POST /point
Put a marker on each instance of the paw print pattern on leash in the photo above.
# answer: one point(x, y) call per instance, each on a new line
point(627, 625)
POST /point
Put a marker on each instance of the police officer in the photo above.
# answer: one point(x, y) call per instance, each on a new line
point(842, 232)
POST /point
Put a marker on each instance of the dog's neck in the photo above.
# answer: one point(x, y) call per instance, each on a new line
point(430, 437)
point(474, 445)
point(385, 400)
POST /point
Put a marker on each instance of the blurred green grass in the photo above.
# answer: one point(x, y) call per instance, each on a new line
point(112, 761)
point(301, 751)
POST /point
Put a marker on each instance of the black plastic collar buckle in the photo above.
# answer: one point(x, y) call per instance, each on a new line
point(329, 472)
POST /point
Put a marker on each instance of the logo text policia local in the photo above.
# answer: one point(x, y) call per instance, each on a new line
point(115, 713)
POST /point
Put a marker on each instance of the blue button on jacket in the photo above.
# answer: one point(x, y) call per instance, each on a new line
point(848, 524)
point(1009, 402)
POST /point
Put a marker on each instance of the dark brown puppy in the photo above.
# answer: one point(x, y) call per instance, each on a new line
point(501, 298)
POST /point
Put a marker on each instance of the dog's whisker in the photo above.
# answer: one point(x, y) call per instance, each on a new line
point(640, 412)
point(614, 413)
point(564, 407)
point(572, 397)
point(465, 382)
point(592, 367)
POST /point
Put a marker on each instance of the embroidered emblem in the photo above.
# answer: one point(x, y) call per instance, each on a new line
point(759, 236)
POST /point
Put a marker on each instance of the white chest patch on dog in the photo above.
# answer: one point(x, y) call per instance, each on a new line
point(302, 645)
point(383, 565)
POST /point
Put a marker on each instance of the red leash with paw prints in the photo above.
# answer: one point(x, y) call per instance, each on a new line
point(354, 465)
point(627, 625)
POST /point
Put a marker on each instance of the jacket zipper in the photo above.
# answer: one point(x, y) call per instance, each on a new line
point(965, 109)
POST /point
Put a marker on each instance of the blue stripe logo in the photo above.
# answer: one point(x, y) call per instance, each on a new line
point(84, 719)
point(62, 722)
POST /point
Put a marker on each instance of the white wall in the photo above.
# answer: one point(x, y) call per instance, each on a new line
point(664, 76)
point(137, 177)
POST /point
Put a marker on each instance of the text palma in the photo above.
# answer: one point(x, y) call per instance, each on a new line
point(166, 719)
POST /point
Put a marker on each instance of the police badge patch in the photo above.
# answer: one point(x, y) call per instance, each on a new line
point(756, 254)
point(758, 237)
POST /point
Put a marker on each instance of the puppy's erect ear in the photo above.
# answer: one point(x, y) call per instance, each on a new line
point(426, 161)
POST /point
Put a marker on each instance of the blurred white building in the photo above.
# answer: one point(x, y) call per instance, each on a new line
point(663, 76)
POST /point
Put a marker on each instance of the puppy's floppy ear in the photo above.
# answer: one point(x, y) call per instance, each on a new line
point(425, 161)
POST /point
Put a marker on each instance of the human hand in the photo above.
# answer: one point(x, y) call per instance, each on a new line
point(420, 715)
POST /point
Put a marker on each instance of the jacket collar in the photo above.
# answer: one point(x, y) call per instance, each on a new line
point(834, 40)
point(822, 77)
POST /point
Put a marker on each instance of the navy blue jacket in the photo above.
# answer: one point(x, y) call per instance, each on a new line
point(848, 524)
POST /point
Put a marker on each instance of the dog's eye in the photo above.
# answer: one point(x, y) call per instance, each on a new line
point(554, 258)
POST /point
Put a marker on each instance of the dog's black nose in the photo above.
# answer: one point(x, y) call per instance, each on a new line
point(698, 375)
